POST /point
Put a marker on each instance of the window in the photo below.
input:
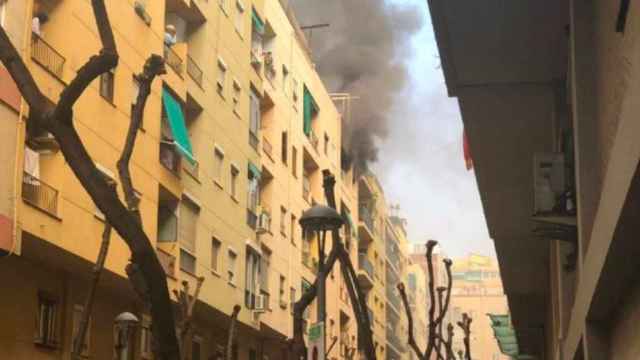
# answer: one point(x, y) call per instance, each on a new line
point(326, 144)
point(145, 338)
point(294, 161)
point(283, 221)
point(135, 91)
point(234, 181)
point(292, 298)
point(263, 270)
point(231, 266)
point(218, 163)
point(621, 22)
point(294, 91)
point(187, 262)
point(106, 85)
point(196, 346)
point(292, 231)
point(222, 76)
point(47, 322)
point(216, 245)
point(285, 78)
point(281, 292)
point(254, 125)
point(253, 189)
point(285, 147)
point(223, 5)
point(239, 17)
point(77, 318)
point(252, 275)
point(188, 223)
point(237, 89)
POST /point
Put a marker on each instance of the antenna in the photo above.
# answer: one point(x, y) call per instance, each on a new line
point(310, 28)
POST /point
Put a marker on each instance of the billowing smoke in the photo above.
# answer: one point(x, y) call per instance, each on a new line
point(362, 52)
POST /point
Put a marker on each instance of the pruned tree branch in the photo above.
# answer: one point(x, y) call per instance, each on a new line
point(432, 330)
point(465, 325)
point(57, 119)
point(232, 331)
point(78, 341)
point(412, 340)
point(186, 303)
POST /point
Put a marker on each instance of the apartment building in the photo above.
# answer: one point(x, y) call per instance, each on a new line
point(418, 302)
point(396, 264)
point(477, 291)
point(234, 140)
point(550, 113)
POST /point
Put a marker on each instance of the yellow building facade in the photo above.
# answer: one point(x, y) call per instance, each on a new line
point(477, 290)
point(261, 128)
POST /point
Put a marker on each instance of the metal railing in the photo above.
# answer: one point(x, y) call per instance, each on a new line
point(45, 55)
point(306, 188)
point(395, 341)
point(253, 140)
point(173, 60)
point(39, 194)
point(365, 265)
point(313, 138)
point(167, 225)
point(252, 219)
point(194, 71)
point(267, 147)
point(169, 157)
point(367, 218)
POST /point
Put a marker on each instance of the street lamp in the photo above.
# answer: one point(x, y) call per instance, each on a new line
point(319, 220)
point(125, 323)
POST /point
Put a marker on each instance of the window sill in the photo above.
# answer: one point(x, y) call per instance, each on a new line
point(189, 273)
point(224, 11)
point(235, 199)
point(218, 184)
point(283, 233)
point(239, 34)
point(237, 114)
point(220, 92)
point(108, 101)
point(232, 284)
point(215, 273)
point(46, 346)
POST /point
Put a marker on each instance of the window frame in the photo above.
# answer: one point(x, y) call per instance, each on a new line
point(216, 247)
point(234, 174)
point(218, 168)
point(221, 76)
point(48, 336)
point(111, 83)
point(232, 265)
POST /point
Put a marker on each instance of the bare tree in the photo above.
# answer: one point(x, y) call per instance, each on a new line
point(298, 349)
point(437, 341)
point(44, 115)
point(232, 331)
point(186, 304)
point(465, 325)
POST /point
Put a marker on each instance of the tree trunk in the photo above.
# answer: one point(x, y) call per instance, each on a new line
point(58, 120)
point(232, 331)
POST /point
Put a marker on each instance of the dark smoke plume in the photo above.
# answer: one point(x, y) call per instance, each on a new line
point(362, 52)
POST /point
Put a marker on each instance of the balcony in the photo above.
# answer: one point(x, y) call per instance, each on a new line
point(253, 140)
point(365, 272)
point(267, 148)
point(394, 340)
point(47, 57)
point(167, 225)
point(39, 194)
point(194, 71)
point(168, 262)
point(174, 60)
point(306, 188)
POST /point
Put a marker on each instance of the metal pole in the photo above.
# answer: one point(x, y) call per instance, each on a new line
point(322, 282)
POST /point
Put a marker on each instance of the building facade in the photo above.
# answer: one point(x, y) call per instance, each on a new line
point(550, 114)
point(222, 202)
point(477, 291)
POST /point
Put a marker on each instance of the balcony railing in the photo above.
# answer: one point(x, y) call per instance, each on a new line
point(367, 218)
point(306, 188)
point(173, 60)
point(394, 340)
point(313, 138)
point(365, 264)
point(167, 225)
point(39, 194)
point(194, 71)
point(392, 297)
point(267, 147)
point(253, 140)
point(252, 219)
point(45, 55)
point(169, 157)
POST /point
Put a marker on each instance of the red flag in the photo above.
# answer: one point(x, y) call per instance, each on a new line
point(467, 151)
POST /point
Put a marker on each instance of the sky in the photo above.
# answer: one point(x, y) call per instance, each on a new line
point(421, 164)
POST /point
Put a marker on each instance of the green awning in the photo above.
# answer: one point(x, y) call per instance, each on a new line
point(309, 106)
point(258, 24)
point(178, 129)
point(499, 320)
point(253, 169)
point(506, 337)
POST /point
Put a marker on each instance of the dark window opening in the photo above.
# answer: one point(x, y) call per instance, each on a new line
point(622, 15)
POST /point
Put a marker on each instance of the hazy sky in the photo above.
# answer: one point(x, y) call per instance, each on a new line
point(421, 163)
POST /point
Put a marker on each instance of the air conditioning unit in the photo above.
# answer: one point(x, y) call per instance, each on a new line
point(549, 181)
point(261, 304)
point(264, 223)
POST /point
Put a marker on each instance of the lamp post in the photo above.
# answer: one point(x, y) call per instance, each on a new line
point(319, 220)
point(125, 323)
